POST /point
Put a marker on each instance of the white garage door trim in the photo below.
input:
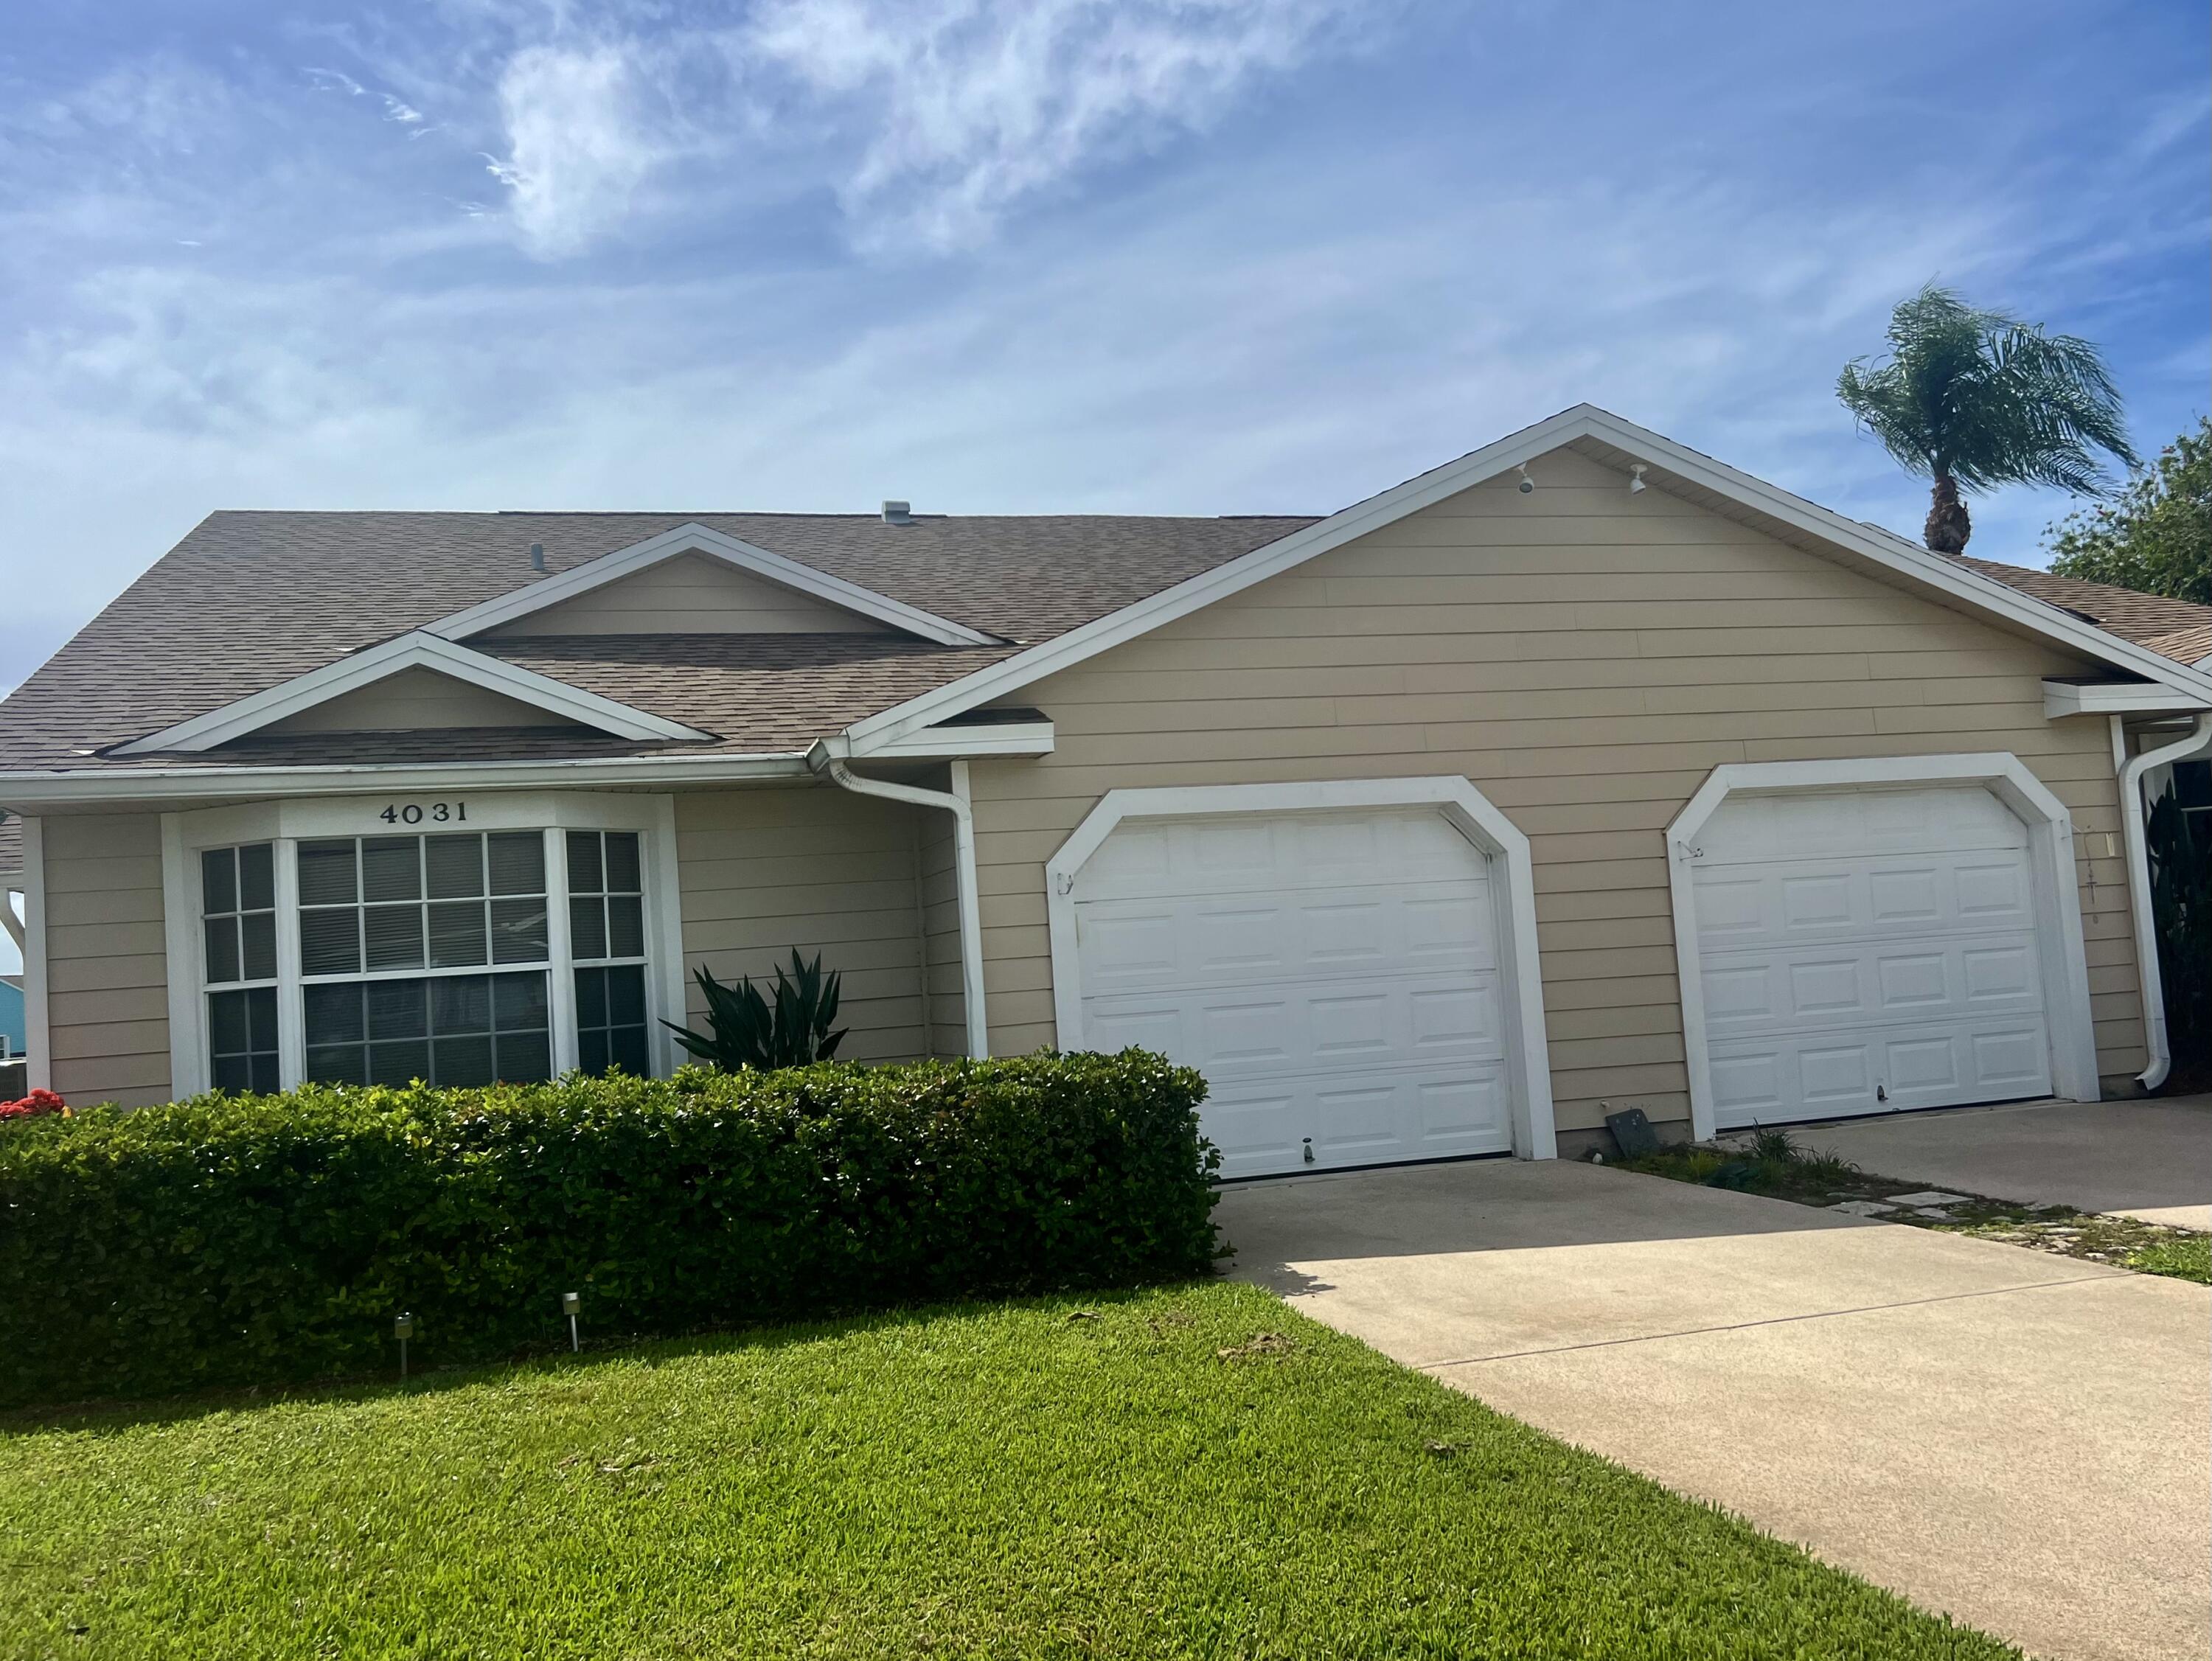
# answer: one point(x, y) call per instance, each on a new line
point(2057, 899)
point(1459, 802)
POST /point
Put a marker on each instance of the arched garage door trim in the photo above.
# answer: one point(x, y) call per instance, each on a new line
point(2058, 901)
point(1461, 804)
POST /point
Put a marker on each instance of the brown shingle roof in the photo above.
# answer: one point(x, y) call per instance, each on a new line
point(249, 600)
point(2165, 626)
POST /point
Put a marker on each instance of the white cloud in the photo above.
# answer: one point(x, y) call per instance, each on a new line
point(975, 106)
point(578, 145)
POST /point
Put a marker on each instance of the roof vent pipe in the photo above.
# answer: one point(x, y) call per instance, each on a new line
point(538, 556)
point(898, 513)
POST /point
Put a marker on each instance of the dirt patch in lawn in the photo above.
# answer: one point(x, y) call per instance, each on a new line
point(1769, 1163)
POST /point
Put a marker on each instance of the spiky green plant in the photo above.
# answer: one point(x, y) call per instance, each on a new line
point(1973, 400)
point(745, 1031)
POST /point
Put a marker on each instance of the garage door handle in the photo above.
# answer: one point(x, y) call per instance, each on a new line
point(1309, 1158)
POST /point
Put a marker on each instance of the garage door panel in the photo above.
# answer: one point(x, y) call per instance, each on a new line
point(1845, 970)
point(1334, 976)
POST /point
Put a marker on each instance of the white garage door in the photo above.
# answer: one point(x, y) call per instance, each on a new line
point(1334, 975)
point(1868, 952)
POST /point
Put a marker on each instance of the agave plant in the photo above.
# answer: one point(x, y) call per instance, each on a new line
point(744, 1030)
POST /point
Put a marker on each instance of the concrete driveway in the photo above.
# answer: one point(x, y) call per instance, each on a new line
point(2021, 1440)
point(2151, 1159)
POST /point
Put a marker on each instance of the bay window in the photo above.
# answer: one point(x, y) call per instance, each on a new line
point(332, 952)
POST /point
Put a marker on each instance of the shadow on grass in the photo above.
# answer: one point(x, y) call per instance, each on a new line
point(101, 1417)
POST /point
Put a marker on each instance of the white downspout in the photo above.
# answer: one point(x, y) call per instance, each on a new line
point(954, 802)
point(2147, 977)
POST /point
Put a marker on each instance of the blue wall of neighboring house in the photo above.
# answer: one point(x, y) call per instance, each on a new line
point(11, 1017)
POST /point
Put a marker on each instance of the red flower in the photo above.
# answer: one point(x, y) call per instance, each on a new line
point(38, 1101)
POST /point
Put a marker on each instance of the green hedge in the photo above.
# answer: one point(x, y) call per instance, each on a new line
point(267, 1239)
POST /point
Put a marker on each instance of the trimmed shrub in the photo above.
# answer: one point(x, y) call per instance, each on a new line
point(271, 1239)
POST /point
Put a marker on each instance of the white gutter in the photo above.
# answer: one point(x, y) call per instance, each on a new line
point(956, 802)
point(2148, 975)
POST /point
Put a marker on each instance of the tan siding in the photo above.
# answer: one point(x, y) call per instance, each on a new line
point(107, 964)
point(693, 594)
point(941, 922)
point(413, 701)
point(1585, 656)
point(765, 870)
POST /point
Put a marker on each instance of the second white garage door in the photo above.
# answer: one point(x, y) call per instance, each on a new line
point(1868, 951)
point(1334, 976)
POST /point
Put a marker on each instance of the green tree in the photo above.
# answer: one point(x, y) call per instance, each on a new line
point(2157, 537)
point(1974, 399)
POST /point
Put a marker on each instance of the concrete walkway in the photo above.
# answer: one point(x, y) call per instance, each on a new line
point(2151, 1159)
point(2021, 1440)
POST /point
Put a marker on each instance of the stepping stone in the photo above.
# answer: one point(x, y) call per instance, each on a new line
point(1929, 1197)
point(1864, 1208)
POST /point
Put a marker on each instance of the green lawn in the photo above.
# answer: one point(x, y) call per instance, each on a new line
point(1055, 1478)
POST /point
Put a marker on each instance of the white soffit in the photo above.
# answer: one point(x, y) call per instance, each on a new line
point(698, 539)
point(415, 650)
point(1665, 461)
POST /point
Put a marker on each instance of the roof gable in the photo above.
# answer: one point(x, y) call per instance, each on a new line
point(691, 593)
point(1602, 437)
point(515, 612)
point(417, 699)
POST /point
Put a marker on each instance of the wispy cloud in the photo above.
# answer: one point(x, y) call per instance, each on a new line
point(579, 141)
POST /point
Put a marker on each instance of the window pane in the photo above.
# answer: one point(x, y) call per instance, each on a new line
point(590, 997)
point(518, 862)
point(338, 1063)
point(221, 949)
point(395, 936)
point(391, 868)
point(626, 1050)
point(257, 877)
point(592, 1050)
point(259, 949)
point(622, 863)
point(265, 1082)
point(398, 1009)
point(625, 997)
point(326, 873)
point(455, 864)
point(333, 1015)
point(218, 881)
point(329, 943)
point(587, 928)
point(261, 1020)
point(461, 1004)
point(584, 862)
point(233, 1073)
point(226, 1024)
point(518, 930)
point(398, 1063)
point(459, 1063)
point(523, 1058)
point(625, 926)
point(518, 1001)
point(457, 934)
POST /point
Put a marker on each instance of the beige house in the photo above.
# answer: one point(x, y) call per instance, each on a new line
point(1580, 773)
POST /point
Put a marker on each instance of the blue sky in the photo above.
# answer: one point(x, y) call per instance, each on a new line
point(1165, 255)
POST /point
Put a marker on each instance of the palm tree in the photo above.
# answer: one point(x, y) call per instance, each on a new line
point(1975, 399)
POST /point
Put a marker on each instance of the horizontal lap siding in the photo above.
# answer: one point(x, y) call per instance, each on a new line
point(1586, 657)
point(820, 869)
point(107, 1000)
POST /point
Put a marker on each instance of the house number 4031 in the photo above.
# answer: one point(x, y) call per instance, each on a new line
point(416, 813)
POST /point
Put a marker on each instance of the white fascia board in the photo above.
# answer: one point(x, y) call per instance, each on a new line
point(1663, 456)
point(1015, 738)
point(2062, 698)
point(415, 650)
point(42, 790)
point(697, 538)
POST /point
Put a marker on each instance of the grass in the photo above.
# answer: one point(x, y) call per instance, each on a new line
point(1189, 1472)
point(1773, 1164)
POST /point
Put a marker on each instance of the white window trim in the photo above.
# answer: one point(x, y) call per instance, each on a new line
point(2058, 895)
point(289, 823)
point(414, 650)
point(715, 544)
point(1463, 806)
point(38, 1025)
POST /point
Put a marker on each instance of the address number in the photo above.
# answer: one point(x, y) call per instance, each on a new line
point(415, 813)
